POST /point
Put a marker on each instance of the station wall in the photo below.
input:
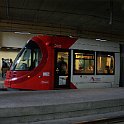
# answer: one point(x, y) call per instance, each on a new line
point(11, 40)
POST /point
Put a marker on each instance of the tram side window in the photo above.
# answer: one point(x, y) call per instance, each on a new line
point(24, 61)
point(36, 57)
point(105, 63)
point(83, 62)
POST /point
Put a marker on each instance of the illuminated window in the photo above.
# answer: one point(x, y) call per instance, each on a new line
point(105, 63)
point(83, 62)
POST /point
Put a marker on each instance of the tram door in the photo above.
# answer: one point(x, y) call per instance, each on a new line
point(62, 68)
point(121, 83)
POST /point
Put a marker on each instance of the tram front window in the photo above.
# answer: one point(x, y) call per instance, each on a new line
point(28, 58)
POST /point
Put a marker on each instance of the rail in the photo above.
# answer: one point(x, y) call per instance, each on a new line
point(113, 120)
point(3, 89)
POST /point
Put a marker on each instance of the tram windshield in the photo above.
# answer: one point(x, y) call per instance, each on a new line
point(28, 58)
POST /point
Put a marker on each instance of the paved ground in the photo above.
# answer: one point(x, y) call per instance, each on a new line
point(37, 98)
point(60, 106)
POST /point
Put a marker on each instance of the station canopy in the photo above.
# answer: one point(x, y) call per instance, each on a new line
point(92, 18)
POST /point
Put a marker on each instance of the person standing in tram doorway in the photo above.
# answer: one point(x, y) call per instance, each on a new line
point(62, 66)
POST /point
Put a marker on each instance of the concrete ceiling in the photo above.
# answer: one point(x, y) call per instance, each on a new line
point(81, 18)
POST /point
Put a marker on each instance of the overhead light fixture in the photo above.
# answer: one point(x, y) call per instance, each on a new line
point(111, 12)
point(103, 40)
point(98, 39)
point(22, 32)
point(14, 48)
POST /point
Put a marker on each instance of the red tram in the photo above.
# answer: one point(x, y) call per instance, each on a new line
point(56, 62)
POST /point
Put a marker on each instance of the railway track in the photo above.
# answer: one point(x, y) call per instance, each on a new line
point(3, 89)
point(115, 120)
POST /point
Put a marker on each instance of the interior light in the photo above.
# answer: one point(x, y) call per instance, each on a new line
point(109, 55)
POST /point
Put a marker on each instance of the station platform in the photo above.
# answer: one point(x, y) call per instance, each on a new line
point(60, 106)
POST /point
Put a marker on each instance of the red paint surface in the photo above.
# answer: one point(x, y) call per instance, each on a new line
point(30, 79)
